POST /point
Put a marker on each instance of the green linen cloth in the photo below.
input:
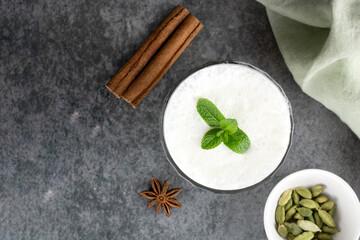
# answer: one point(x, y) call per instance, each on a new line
point(320, 42)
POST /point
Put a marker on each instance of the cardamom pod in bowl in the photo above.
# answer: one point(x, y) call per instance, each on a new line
point(322, 206)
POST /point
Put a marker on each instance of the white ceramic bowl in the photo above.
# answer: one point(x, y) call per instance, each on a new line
point(347, 215)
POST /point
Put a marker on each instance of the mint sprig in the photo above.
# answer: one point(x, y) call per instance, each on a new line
point(224, 130)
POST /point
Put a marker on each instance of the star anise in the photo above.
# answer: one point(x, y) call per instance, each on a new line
point(164, 198)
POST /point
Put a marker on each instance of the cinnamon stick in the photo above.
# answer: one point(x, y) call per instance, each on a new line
point(123, 78)
point(162, 61)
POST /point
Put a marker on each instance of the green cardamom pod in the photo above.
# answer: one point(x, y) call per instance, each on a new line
point(317, 190)
point(318, 220)
point(311, 218)
point(280, 215)
point(290, 236)
point(326, 218)
point(309, 204)
point(327, 206)
point(282, 230)
point(305, 212)
point(304, 192)
point(293, 228)
point(321, 199)
point(332, 211)
point(286, 224)
point(288, 204)
point(295, 198)
point(324, 236)
point(285, 197)
point(308, 226)
point(305, 236)
point(330, 230)
point(298, 216)
point(290, 213)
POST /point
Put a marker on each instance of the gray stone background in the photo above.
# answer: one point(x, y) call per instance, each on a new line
point(73, 156)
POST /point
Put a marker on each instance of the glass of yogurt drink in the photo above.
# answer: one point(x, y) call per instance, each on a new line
point(242, 92)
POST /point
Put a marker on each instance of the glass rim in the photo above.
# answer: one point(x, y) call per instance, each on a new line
point(162, 135)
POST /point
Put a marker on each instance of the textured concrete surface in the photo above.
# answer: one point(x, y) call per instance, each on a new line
point(73, 157)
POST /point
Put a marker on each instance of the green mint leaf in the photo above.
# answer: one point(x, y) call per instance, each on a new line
point(210, 139)
point(209, 112)
point(225, 137)
point(239, 142)
point(229, 125)
point(220, 133)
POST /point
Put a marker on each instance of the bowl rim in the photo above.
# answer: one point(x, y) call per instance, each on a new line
point(299, 173)
point(162, 115)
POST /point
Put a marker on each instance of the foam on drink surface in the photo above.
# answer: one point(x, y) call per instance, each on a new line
point(241, 93)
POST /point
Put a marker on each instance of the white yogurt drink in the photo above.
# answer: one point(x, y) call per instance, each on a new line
point(240, 92)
